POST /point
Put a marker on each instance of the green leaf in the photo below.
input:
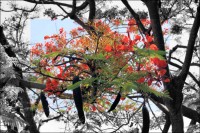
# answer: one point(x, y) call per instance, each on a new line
point(52, 54)
point(149, 52)
point(35, 62)
point(74, 86)
point(32, 78)
point(145, 88)
point(129, 86)
point(99, 56)
point(46, 72)
point(158, 53)
point(77, 84)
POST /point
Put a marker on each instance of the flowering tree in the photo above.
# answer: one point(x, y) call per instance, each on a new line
point(107, 63)
point(98, 62)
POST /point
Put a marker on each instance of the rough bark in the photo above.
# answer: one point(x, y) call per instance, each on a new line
point(190, 47)
point(174, 87)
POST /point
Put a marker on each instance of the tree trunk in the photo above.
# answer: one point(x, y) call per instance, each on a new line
point(174, 105)
point(176, 85)
point(177, 121)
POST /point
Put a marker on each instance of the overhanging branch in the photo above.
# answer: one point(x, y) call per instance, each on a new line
point(190, 47)
point(135, 15)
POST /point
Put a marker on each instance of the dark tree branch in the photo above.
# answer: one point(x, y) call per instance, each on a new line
point(191, 87)
point(160, 106)
point(73, 12)
point(190, 113)
point(22, 9)
point(155, 23)
point(190, 47)
point(49, 2)
point(81, 7)
point(56, 117)
point(167, 124)
point(189, 130)
point(189, 73)
point(88, 28)
point(187, 112)
point(135, 15)
point(92, 10)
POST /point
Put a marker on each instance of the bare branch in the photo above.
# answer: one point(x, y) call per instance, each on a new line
point(190, 47)
point(189, 73)
point(136, 16)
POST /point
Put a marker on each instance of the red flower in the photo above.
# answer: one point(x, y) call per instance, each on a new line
point(108, 48)
point(131, 22)
point(117, 22)
point(122, 98)
point(125, 39)
point(149, 38)
point(46, 37)
point(162, 72)
point(120, 47)
point(159, 63)
point(51, 84)
point(137, 37)
point(141, 80)
point(80, 29)
point(166, 80)
point(153, 47)
point(132, 43)
point(130, 69)
point(93, 108)
point(150, 82)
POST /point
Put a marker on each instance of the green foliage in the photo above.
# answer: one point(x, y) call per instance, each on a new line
point(150, 53)
point(87, 81)
point(99, 56)
point(52, 54)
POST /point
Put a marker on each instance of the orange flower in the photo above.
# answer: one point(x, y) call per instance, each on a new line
point(130, 69)
point(46, 37)
point(137, 37)
point(158, 62)
point(122, 98)
point(153, 47)
point(108, 48)
point(149, 38)
point(125, 39)
point(74, 32)
point(120, 47)
point(116, 22)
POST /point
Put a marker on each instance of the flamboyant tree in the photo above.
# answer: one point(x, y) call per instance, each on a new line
point(99, 62)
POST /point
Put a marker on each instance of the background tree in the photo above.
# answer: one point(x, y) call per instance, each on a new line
point(178, 85)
